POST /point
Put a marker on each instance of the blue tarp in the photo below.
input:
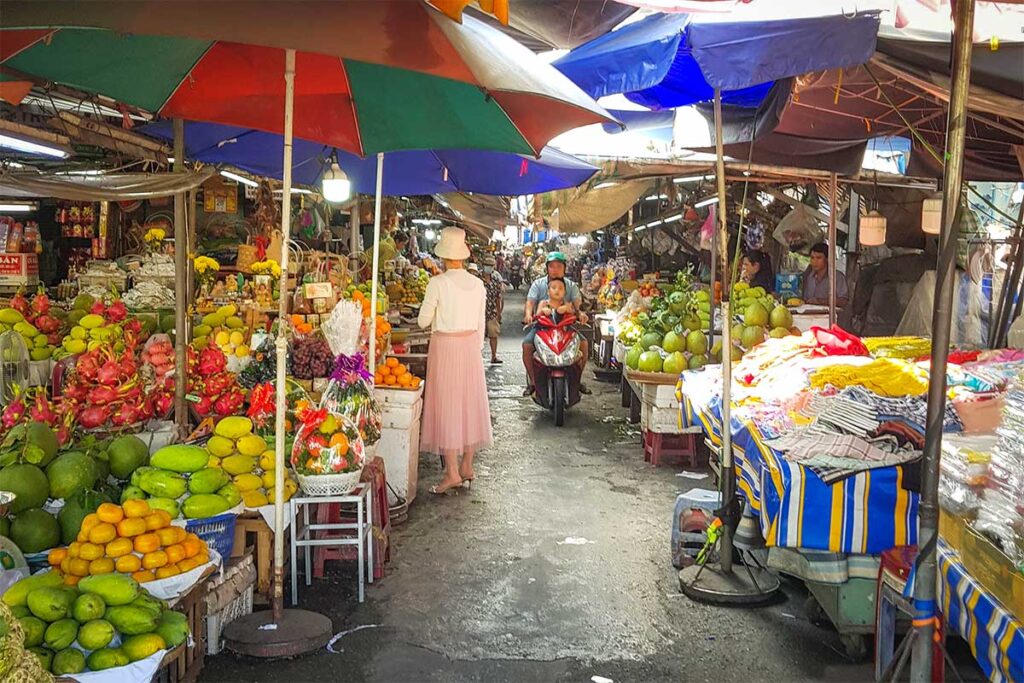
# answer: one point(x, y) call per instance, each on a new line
point(672, 60)
point(405, 173)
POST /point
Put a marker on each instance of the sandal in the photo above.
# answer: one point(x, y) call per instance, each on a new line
point(529, 390)
point(447, 490)
point(496, 361)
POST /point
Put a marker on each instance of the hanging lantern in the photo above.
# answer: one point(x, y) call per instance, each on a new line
point(872, 229)
point(931, 214)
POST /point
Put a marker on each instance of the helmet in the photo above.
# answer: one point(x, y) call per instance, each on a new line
point(556, 256)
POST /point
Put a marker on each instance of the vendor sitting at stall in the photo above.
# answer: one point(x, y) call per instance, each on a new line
point(555, 266)
point(390, 248)
point(757, 270)
point(815, 287)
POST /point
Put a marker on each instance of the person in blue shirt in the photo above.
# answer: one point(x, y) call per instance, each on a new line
point(555, 267)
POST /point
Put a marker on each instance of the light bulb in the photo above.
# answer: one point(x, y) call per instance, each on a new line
point(336, 185)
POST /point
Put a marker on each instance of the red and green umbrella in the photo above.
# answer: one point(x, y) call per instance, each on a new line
point(370, 76)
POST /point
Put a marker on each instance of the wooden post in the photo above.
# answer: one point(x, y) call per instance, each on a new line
point(181, 303)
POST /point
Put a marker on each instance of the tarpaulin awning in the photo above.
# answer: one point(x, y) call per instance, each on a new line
point(406, 173)
point(671, 60)
point(97, 188)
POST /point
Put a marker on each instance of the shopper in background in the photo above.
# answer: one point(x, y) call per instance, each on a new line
point(495, 288)
point(757, 270)
point(815, 288)
point(456, 414)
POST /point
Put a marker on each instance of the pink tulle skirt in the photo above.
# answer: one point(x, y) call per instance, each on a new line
point(456, 415)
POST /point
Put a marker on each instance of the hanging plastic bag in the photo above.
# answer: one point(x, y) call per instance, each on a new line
point(1015, 337)
point(799, 229)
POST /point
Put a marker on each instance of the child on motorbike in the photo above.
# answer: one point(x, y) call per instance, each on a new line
point(555, 305)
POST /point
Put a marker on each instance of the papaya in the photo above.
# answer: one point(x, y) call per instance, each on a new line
point(238, 464)
point(131, 620)
point(20, 611)
point(10, 316)
point(88, 606)
point(67, 661)
point(231, 494)
point(34, 629)
point(115, 589)
point(163, 484)
point(17, 594)
point(207, 480)
point(96, 634)
point(204, 505)
point(247, 482)
point(168, 505)
point(137, 474)
point(233, 427)
point(60, 634)
point(107, 658)
point(143, 645)
point(173, 628)
point(50, 604)
point(147, 601)
point(180, 458)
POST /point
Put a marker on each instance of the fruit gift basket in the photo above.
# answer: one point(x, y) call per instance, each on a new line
point(328, 454)
point(350, 393)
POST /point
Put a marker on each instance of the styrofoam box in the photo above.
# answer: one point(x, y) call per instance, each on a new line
point(660, 395)
point(400, 449)
point(399, 415)
point(662, 420)
point(399, 396)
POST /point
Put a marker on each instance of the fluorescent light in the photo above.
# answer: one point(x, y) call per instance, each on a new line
point(15, 164)
point(654, 224)
point(607, 183)
point(426, 221)
point(295, 190)
point(430, 234)
point(337, 187)
point(170, 160)
point(691, 179)
point(239, 179)
point(18, 207)
point(655, 196)
point(705, 202)
point(673, 218)
point(29, 147)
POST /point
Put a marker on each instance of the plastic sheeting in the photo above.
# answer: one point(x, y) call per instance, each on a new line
point(405, 173)
point(970, 311)
point(99, 188)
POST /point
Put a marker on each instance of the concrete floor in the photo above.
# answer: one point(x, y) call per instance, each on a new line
point(484, 587)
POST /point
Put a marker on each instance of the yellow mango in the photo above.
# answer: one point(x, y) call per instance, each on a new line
point(220, 446)
point(238, 464)
point(254, 499)
point(247, 482)
point(250, 444)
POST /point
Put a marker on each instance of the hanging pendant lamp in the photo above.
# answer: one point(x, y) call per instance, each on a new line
point(931, 214)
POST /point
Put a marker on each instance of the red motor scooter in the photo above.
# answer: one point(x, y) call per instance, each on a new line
point(556, 368)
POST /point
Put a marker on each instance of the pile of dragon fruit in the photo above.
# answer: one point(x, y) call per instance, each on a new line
point(213, 389)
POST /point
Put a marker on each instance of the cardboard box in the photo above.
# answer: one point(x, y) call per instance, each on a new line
point(19, 270)
point(993, 570)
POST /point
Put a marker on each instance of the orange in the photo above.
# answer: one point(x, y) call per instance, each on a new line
point(399, 370)
point(383, 369)
point(392, 362)
point(91, 520)
point(78, 567)
point(378, 378)
point(169, 570)
point(390, 380)
point(131, 526)
point(128, 564)
point(405, 379)
point(90, 551)
point(108, 512)
point(119, 547)
point(102, 533)
point(340, 441)
point(175, 553)
point(135, 508)
point(416, 382)
point(146, 543)
point(157, 519)
point(56, 556)
point(104, 565)
point(171, 535)
point(144, 576)
point(358, 296)
point(154, 560)
point(71, 580)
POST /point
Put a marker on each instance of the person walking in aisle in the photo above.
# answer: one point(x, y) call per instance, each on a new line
point(456, 413)
point(495, 287)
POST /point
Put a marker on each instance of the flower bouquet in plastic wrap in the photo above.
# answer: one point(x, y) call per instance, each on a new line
point(328, 454)
point(350, 393)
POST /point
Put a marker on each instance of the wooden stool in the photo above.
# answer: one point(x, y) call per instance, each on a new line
point(682, 447)
point(253, 532)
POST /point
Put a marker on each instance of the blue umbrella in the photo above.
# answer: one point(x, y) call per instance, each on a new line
point(409, 172)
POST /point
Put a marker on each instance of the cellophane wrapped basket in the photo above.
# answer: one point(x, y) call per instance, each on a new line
point(350, 393)
point(328, 454)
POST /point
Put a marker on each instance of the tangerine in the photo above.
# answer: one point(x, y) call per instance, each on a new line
point(104, 565)
point(167, 570)
point(339, 441)
point(71, 580)
point(157, 519)
point(110, 513)
point(128, 564)
point(390, 380)
point(102, 533)
point(146, 543)
point(399, 370)
point(131, 526)
point(119, 547)
point(405, 379)
point(392, 362)
point(154, 560)
point(90, 551)
point(144, 576)
point(56, 556)
point(135, 508)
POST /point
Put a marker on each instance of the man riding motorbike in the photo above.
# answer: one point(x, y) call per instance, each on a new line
point(555, 266)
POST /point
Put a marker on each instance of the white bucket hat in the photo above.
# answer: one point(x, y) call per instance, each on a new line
point(452, 245)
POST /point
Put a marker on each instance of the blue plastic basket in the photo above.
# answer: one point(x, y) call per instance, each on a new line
point(218, 532)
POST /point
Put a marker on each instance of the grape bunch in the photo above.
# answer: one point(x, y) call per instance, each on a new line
point(311, 357)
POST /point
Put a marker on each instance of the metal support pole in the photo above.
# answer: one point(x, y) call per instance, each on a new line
point(952, 179)
point(1011, 286)
point(833, 209)
point(728, 476)
point(354, 229)
point(180, 288)
point(714, 275)
point(371, 361)
point(282, 340)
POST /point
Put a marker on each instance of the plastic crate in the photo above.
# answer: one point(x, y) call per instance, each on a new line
point(218, 532)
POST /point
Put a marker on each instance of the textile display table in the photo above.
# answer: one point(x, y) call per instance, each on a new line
point(359, 534)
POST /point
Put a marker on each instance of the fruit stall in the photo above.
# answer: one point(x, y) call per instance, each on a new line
point(825, 423)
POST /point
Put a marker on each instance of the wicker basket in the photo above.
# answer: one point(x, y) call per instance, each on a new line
point(247, 255)
point(329, 484)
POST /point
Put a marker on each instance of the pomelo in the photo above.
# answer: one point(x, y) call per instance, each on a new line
point(674, 343)
point(692, 322)
point(755, 315)
point(35, 530)
point(633, 356)
point(737, 353)
point(737, 332)
point(650, 339)
point(28, 483)
point(696, 342)
point(781, 317)
point(752, 336)
point(778, 333)
point(698, 361)
point(716, 351)
point(650, 361)
point(674, 364)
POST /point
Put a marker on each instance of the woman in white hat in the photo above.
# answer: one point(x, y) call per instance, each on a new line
point(456, 415)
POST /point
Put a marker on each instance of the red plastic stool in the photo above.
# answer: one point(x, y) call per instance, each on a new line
point(892, 579)
point(682, 447)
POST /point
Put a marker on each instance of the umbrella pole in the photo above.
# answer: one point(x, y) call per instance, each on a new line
point(833, 209)
point(292, 632)
point(180, 288)
point(952, 179)
point(371, 362)
point(717, 582)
